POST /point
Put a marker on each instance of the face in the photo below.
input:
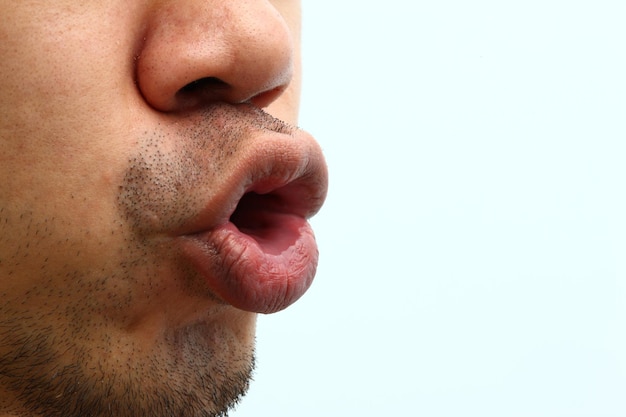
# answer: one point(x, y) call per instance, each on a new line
point(154, 199)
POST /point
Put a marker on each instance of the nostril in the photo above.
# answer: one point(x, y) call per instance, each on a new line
point(202, 84)
point(203, 90)
point(208, 89)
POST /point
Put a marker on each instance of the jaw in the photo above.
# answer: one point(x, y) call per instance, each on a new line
point(141, 334)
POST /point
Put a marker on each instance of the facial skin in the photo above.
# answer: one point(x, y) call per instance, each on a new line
point(135, 245)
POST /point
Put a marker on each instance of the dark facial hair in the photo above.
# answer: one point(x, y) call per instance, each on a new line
point(50, 365)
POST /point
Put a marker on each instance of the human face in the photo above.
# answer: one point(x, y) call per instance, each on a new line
point(148, 207)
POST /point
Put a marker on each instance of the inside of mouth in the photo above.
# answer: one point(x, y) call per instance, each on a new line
point(263, 218)
point(250, 215)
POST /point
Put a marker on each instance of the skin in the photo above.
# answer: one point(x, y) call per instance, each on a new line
point(108, 142)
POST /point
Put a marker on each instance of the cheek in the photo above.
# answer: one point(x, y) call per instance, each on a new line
point(64, 138)
point(62, 130)
point(59, 68)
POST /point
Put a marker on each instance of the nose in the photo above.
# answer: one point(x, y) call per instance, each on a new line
point(198, 51)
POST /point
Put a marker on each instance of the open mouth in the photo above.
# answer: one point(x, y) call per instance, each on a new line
point(264, 258)
point(269, 220)
point(250, 240)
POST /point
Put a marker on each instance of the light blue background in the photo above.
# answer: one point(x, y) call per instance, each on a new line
point(474, 239)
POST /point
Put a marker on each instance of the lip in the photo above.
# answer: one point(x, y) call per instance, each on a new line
point(252, 242)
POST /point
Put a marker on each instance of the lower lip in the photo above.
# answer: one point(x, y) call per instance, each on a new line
point(263, 271)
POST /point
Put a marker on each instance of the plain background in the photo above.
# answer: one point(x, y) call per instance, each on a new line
point(473, 245)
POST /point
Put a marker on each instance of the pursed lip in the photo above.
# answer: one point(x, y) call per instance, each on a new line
point(252, 242)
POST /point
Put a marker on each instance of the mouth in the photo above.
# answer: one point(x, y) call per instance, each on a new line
point(268, 220)
point(258, 252)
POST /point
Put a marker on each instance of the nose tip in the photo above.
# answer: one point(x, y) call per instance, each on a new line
point(196, 53)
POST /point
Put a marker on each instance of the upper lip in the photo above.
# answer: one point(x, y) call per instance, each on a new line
point(281, 173)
